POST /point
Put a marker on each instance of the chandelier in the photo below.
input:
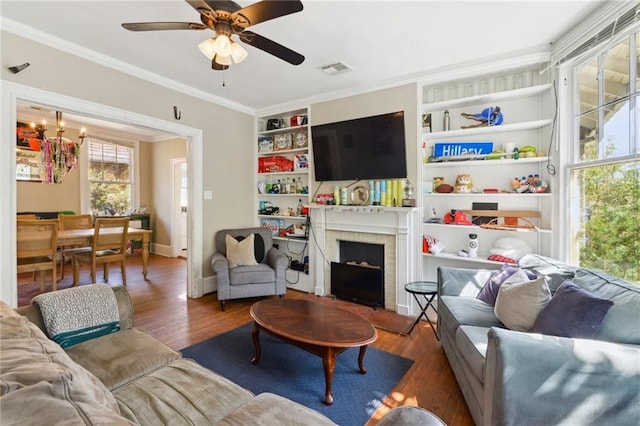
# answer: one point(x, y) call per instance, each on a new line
point(59, 155)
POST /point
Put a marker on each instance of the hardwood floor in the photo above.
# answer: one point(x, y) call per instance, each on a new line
point(162, 309)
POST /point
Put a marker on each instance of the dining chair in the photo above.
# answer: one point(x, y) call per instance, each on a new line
point(109, 244)
point(73, 221)
point(36, 244)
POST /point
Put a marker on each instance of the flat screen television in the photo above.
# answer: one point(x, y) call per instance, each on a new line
point(363, 148)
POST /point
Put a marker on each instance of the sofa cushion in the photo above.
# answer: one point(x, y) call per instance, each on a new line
point(268, 409)
point(471, 342)
point(621, 323)
point(36, 371)
point(454, 311)
point(572, 312)
point(489, 292)
point(256, 274)
point(240, 253)
point(118, 358)
point(554, 271)
point(180, 393)
point(520, 300)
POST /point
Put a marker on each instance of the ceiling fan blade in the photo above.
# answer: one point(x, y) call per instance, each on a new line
point(160, 26)
point(217, 67)
point(225, 5)
point(266, 10)
point(271, 47)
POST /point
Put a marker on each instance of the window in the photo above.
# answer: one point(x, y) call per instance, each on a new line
point(110, 177)
point(604, 173)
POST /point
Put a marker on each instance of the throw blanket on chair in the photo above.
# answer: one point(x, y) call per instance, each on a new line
point(76, 314)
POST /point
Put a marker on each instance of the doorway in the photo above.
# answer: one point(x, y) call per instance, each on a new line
point(11, 94)
point(179, 240)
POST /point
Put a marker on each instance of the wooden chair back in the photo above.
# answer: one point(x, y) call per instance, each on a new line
point(111, 234)
point(36, 244)
point(75, 221)
point(26, 217)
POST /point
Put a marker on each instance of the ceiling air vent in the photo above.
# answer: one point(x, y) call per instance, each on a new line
point(336, 68)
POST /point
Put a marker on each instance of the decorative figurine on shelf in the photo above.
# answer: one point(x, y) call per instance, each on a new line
point(488, 117)
point(464, 184)
point(408, 200)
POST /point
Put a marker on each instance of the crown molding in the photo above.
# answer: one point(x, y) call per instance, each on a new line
point(46, 39)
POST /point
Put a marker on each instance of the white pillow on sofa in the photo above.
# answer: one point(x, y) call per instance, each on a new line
point(520, 300)
point(240, 253)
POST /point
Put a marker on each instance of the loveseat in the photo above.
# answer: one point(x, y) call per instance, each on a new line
point(123, 377)
point(523, 377)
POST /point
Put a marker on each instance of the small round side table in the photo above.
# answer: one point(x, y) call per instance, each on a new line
point(428, 290)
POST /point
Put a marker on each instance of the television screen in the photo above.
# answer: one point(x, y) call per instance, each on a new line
point(364, 148)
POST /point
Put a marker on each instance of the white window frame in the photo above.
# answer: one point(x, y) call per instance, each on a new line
point(85, 192)
point(568, 141)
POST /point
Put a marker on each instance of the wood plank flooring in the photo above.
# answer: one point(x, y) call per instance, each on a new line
point(162, 309)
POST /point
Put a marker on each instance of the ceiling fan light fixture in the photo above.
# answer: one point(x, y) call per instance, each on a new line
point(222, 60)
point(238, 53)
point(222, 45)
point(207, 48)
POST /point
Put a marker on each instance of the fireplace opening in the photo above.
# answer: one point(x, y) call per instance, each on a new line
point(359, 276)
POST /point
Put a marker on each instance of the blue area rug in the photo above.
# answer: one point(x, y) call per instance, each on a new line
point(298, 375)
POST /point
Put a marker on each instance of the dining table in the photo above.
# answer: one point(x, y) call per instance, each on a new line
point(84, 237)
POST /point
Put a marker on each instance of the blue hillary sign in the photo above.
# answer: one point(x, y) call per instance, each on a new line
point(448, 149)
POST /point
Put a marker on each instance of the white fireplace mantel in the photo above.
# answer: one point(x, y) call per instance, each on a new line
point(392, 226)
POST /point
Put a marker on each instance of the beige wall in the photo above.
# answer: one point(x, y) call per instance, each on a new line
point(228, 134)
point(402, 98)
point(44, 197)
point(162, 186)
point(229, 139)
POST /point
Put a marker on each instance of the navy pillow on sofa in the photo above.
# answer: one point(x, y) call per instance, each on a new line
point(572, 312)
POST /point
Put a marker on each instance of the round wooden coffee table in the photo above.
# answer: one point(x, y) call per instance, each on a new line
point(320, 329)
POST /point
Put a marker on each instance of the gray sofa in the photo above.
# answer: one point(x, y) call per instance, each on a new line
point(126, 377)
point(523, 378)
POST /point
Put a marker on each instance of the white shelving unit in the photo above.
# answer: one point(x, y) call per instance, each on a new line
point(291, 142)
point(528, 117)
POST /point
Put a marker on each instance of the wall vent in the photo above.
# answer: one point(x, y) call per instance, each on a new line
point(336, 68)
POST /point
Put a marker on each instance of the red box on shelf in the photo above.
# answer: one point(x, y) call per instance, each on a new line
point(277, 163)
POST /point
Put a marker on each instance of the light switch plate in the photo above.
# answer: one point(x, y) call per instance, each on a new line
point(208, 195)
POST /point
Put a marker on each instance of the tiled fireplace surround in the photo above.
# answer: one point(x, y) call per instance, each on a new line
point(389, 226)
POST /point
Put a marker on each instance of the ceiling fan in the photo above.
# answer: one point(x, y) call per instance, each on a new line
point(226, 18)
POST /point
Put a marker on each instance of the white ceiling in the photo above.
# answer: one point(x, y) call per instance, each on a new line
point(383, 41)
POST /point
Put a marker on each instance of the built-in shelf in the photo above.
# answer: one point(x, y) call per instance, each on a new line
point(282, 130)
point(477, 227)
point(453, 256)
point(292, 239)
point(283, 195)
point(488, 98)
point(482, 195)
point(490, 163)
point(295, 172)
point(284, 151)
point(281, 216)
point(489, 130)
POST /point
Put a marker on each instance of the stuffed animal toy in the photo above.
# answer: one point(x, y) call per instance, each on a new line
point(463, 185)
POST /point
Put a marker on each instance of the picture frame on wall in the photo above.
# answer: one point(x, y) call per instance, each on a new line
point(28, 165)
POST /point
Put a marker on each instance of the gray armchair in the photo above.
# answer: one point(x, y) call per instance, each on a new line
point(264, 279)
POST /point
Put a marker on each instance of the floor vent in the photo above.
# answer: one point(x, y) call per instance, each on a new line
point(336, 68)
